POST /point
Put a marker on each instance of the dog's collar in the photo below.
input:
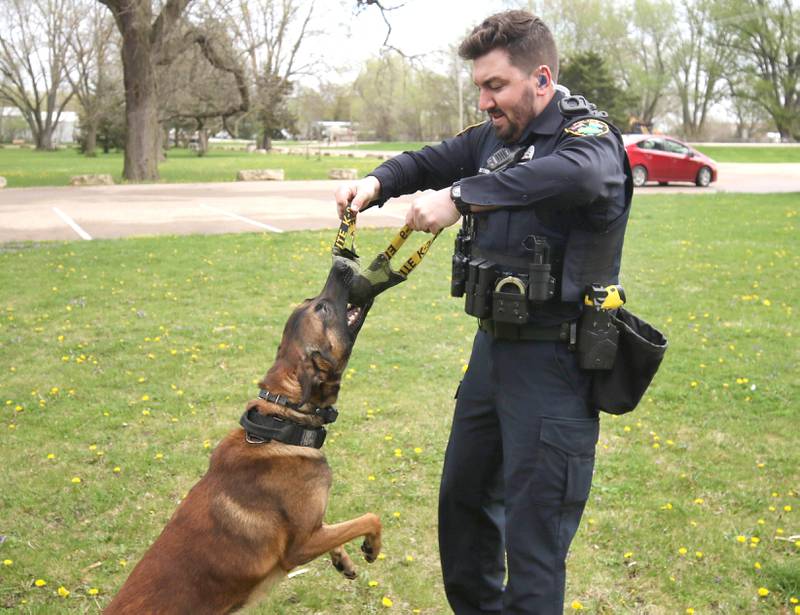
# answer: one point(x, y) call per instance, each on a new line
point(328, 414)
point(261, 428)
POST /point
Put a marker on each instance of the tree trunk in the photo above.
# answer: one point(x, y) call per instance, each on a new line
point(266, 140)
point(141, 112)
point(202, 137)
point(44, 138)
point(90, 144)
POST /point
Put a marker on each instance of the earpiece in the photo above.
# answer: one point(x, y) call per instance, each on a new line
point(542, 81)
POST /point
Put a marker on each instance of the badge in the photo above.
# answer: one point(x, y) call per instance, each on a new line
point(587, 128)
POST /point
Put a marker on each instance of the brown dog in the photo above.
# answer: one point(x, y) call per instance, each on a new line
point(258, 512)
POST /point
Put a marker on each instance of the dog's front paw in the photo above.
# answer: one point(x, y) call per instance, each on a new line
point(371, 547)
point(342, 562)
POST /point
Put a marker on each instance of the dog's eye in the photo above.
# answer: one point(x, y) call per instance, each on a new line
point(321, 307)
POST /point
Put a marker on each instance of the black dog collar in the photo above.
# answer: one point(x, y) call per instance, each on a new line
point(260, 428)
point(328, 414)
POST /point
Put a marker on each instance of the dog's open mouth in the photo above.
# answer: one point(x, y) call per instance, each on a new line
point(355, 317)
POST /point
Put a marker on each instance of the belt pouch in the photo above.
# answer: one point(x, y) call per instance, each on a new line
point(541, 285)
point(598, 338)
point(509, 302)
point(471, 283)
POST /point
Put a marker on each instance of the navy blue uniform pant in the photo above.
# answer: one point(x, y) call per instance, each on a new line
point(516, 477)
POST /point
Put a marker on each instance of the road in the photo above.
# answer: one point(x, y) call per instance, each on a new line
point(103, 212)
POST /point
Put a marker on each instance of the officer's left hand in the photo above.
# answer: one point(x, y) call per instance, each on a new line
point(432, 211)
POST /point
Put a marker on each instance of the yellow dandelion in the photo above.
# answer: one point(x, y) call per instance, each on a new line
point(396, 515)
point(757, 565)
point(409, 558)
point(755, 540)
point(787, 508)
point(417, 450)
point(699, 500)
point(576, 605)
point(145, 413)
point(779, 531)
point(741, 539)
point(797, 610)
point(117, 470)
point(698, 554)
point(40, 582)
point(373, 584)
point(8, 562)
point(51, 456)
point(371, 477)
point(381, 555)
point(93, 591)
point(398, 452)
point(386, 601)
point(145, 398)
point(63, 591)
point(159, 456)
point(75, 480)
point(627, 554)
point(683, 551)
point(123, 563)
point(763, 592)
point(690, 611)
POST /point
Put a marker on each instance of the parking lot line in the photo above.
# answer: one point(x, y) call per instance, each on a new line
point(83, 234)
point(274, 229)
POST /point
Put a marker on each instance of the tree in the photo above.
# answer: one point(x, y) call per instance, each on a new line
point(643, 57)
point(764, 37)
point(144, 39)
point(34, 62)
point(587, 74)
point(95, 79)
point(270, 34)
point(203, 83)
point(699, 64)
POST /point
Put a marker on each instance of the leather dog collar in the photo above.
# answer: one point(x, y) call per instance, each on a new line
point(329, 414)
point(260, 429)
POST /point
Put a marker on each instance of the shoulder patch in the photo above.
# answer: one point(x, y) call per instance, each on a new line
point(470, 127)
point(587, 128)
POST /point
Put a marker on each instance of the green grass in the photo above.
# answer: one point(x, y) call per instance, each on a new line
point(140, 354)
point(390, 146)
point(765, 153)
point(27, 167)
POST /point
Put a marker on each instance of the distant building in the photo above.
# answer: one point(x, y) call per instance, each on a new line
point(13, 126)
point(331, 130)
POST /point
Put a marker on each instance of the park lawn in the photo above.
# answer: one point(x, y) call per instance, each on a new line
point(389, 146)
point(124, 362)
point(27, 167)
point(755, 153)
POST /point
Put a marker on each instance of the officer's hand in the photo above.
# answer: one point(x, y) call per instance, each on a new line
point(357, 194)
point(432, 212)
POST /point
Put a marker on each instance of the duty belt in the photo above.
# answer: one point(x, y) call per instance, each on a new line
point(565, 332)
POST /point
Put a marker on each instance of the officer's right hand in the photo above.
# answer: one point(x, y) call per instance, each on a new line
point(357, 194)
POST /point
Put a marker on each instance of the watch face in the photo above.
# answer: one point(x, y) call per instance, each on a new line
point(455, 192)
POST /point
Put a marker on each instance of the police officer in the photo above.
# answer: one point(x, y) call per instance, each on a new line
point(543, 189)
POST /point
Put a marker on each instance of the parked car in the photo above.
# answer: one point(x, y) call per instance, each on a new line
point(664, 159)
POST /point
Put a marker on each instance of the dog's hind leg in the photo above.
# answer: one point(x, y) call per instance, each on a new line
point(342, 562)
point(329, 537)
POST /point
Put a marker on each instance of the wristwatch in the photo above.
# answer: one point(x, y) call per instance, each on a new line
point(455, 194)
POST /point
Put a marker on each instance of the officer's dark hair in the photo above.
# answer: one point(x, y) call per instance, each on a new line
point(527, 39)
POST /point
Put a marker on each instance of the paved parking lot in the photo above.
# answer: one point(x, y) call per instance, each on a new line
point(103, 212)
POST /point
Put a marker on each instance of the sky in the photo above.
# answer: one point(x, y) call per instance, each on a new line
point(418, 27)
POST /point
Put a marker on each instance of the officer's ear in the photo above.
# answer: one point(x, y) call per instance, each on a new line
point(545, 76)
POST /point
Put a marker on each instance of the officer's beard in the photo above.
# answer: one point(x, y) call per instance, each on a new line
point(516, 118)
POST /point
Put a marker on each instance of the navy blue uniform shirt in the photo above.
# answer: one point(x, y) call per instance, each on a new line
point(572, 180)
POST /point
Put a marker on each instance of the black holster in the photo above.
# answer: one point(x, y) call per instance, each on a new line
point(598, 338)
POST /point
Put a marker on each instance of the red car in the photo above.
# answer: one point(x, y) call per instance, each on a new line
point(663, 159)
